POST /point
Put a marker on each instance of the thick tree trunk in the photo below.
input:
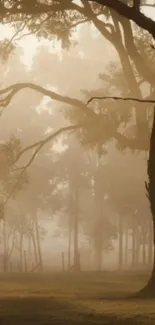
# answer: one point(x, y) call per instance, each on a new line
point(149, 290)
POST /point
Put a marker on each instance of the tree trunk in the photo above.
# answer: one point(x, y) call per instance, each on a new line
point(70, 230)
point(126, 246)
point(138, 245)
point(76, 230)
point(34, 247)
point(21, 251)
point(133, 246)
point(38, 242)
point(120, 262)
point(89, 255)
point(99, 258)
point(149, 290)
point(63, 261)
point(144, 247)
point(25, 262)
point(5, 257)
point(150, 243)
point(69, 246)
point(29, 250)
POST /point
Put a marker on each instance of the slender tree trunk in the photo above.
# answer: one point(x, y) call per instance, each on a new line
point(138, 246)
point(35, 248)
point(99, 258)
point(29, 248)
point(150, 243)
point(63, 261)
point(69, 247)
point(75, 240)
point(38, 242)
point(5, 259)
point(21, 251)
point(70, 230)
point(133, 246)
point(120, 262)
point(144, 247)
point(89, 255)
point(76, 230)
point(25, 262)
point(126, 246)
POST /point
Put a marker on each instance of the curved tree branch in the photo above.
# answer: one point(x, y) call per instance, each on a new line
point(12, 90)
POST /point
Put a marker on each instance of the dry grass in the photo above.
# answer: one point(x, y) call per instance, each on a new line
point(87, 298)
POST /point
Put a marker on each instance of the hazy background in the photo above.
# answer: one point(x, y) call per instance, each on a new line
point(120, 174)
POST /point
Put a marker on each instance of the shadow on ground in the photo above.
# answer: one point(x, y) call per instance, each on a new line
point(51, 311)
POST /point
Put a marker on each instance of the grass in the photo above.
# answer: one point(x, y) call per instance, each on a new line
point(66, 299)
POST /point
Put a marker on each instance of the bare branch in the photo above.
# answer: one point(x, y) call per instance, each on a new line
point(139, 100)
point(39, 145)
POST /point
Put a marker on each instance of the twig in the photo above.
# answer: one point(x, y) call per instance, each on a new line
point(139, 100)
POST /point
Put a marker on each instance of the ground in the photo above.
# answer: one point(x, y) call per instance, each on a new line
point(74, 299)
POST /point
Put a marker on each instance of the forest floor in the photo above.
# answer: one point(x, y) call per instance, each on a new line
point(72, 299)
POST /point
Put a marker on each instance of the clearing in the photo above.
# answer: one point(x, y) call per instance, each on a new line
point(78, 299)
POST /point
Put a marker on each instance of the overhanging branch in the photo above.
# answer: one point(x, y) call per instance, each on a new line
point(9, 92)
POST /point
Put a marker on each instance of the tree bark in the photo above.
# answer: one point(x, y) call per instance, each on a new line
point(149, 290)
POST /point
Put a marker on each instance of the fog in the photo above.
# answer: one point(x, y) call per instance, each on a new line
point(81, 204)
